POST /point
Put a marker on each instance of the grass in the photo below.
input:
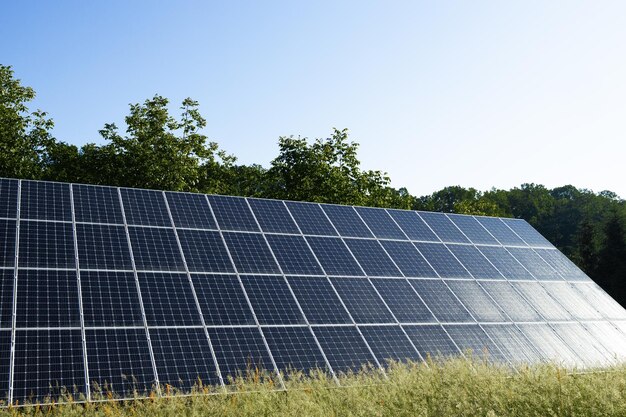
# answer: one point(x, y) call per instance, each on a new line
point(454, 387)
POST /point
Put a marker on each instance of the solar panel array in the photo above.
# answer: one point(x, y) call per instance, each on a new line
point(135, 290)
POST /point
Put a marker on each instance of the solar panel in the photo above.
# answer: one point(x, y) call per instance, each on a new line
point(136, 291)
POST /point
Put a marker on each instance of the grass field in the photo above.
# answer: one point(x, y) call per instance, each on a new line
point(450, 388)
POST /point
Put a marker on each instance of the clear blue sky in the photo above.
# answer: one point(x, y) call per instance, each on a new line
point(474, 93)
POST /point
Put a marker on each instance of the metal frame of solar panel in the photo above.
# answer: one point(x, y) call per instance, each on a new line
point(128, 290)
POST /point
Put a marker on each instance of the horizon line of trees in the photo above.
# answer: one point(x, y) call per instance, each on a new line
point(161, 151)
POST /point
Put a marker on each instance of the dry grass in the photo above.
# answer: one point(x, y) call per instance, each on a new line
point(453, 387)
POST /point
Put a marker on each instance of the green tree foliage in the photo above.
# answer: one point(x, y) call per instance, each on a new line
point(611, 268)
point(24, 135)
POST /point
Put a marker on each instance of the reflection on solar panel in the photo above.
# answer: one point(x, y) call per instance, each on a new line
point(131, 290)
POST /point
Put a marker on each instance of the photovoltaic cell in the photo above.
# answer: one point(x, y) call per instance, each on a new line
point(190, 210)
point(311, 219)
point(46, 245)
point(6, 300)
point(526, 232)
point(477, 301)
point(472, 340)
point(610, 337)
point(47, 298)
point(513, 344)
point(110, 299)
point(362, 301)
point(7, 237)
point(5, 356)
point(505, 263)
point(94, 204)
point(441, 301)
point(293, 255)
point(145, 207)
point(443, 227)
point(542, 301)
point(48, 363)
point(347, 221)
point(474, 261)
point(250, 253)
point(182, 357)
point(432, 341)
point(273, 216)
point(119, 362)
point(294, 349)
point(102, 247)
point(204, 251)
point(587, 348)
point(403, 301)
point(8, 198)
point(155, 249)
point(408, 259)
point(318, 300)
point(562, 265)
point(334, 256)
point(389, 343)
point(572, 301)
point(372, 258)
point(473, 229)
point(501, 231)
point(233, 213)
point(222, 300)
point(601, 301)
point(45, 201)
point(442, 260)
point(344, 348)
point(168, 299)
point(413, 225)
point(515, 306)
point(271, 300)
point(380, 223)
point(551, 347)
point(240, 351)
point(533, 263)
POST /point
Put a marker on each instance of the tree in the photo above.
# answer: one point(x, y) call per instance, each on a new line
point(587, 257)
point(611, 272)
point(24, 135)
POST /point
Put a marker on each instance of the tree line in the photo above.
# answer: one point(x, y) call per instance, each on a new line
point(161, 150)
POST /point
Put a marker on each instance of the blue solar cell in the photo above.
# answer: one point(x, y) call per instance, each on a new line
point(318, 300)
point(46, 245)
point(403, 301)
point(372, 258)
point(559, 262)
point(273, 216)
point(102, 247)
point(443, 227)
point(8, 198)
point(390, 344)
point(294, 349)
point(5, 357)
point(155, 249)
point(550, 346)
point(204, 251)
point(7, 237)
point(515, 306)
point(222, 300)
point(7, 281)
point(45, 201)
point(334, 256)
point(431, 341)
point(572, 300)
point(380, 223)
point(233, 213)
point(168, 299)
point(240, 351)
point(542, 301)
point(535, 264)
point(190, 210)
point(527, 233)
point(271, 300)
point(502, 259)
point(95, 204)
point(347, 221)
point(473, 341)
point(145, 207)
point(293, 255)
point(475, 262)
point(442, 260)
point(182, 357)
point(513, 344)
point(441, 301)
point(477, 301)
point(110, 299)
point(413, 225)
point(500, 231)
point(251, 253)
point(362, 301)
point(473, 229)
point(311, 219)
point(344, 347)
point(408, 259)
